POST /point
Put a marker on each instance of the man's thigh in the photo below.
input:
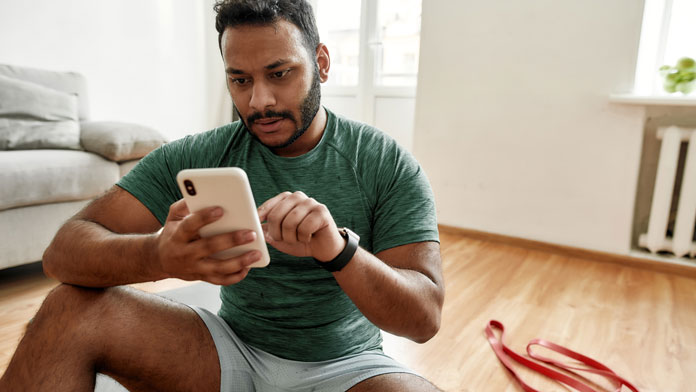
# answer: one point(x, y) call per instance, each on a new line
point(396, 382)
point(151, 343)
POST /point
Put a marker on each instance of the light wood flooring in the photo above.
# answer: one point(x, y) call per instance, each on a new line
point(639, 322)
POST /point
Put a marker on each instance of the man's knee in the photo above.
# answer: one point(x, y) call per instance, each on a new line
point(66, 304)
point(66, 297)
point(69, 318)
point(395, 382)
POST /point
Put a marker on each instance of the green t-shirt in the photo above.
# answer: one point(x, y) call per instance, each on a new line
point(293, 308)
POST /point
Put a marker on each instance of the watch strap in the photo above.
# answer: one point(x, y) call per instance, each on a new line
point(346, 254)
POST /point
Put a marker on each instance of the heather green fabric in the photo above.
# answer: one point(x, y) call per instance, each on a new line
point(293, 308)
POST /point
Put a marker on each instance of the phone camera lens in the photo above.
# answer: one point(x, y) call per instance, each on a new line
point(190, 189)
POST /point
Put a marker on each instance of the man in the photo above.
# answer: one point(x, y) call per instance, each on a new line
point(308, 321)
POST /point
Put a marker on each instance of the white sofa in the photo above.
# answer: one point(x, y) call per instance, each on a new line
point(53, 160)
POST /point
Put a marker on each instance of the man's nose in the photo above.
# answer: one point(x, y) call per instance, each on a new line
point(262, 97)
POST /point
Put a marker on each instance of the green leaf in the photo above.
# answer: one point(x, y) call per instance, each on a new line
point(685, 63)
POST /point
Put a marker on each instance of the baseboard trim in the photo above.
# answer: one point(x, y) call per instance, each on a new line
point(651, 262)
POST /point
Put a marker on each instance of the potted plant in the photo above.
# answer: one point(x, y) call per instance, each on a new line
point(681, 77)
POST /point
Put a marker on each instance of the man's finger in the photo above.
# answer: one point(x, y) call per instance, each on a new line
point(205, 247)
point(277, 215)
point(193, 222)
point(313, 222)
point(293, 219)
point(237, 263)
point(268, 205)
point(214, 269)
point(178, 210)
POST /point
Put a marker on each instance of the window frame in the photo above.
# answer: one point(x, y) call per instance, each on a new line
point(367, 90)
point(657, 16)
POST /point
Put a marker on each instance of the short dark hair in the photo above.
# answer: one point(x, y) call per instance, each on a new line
point(231, 13)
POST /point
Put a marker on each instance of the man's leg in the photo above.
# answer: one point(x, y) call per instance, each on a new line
point(396, 382)
point(143, 341)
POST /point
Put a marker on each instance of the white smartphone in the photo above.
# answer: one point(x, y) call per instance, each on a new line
point(228, 188)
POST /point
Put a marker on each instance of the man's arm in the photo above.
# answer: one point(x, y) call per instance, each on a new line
point(115, 240)
point(400, 290)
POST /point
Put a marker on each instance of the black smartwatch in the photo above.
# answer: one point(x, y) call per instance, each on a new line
point(346, 254)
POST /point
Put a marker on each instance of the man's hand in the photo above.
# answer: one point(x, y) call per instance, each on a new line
point(183, 254)
point(300, 226)
point(400, 289)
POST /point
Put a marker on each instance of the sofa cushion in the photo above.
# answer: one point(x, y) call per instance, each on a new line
point(27, 231)
point(68, 82)
point(31, 177)
point(119, 141)
point(33, 116)
point(127, 166)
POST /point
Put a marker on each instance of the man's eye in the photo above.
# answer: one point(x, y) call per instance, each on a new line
point(279, 74)
point(240, 81)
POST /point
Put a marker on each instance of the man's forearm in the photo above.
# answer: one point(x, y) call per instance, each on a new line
point(85, 253)
point(400, 301)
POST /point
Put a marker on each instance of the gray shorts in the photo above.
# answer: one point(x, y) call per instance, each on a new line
point(246, 368)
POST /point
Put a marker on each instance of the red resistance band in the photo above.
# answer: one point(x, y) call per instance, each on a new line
point(505, 354)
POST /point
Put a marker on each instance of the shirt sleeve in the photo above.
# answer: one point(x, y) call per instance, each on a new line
point(404, 211)
point(153, 181)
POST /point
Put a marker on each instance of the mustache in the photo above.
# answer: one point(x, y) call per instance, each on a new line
point(270, 114)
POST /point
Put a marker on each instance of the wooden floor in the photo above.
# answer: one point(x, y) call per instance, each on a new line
point(639, 322)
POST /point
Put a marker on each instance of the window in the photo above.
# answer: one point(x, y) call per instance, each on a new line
point(339, 28)
point(374, 47)
point(667, 35)
point(382, 37)
point(398, 43)
point(681, 33)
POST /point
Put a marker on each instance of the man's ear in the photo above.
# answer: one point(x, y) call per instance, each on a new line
point(323, 62)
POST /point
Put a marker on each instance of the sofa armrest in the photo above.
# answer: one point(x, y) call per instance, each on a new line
point(118, 141)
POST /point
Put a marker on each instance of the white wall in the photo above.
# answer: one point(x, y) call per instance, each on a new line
point(146, 61)
point(512, 120)
point(513, 124)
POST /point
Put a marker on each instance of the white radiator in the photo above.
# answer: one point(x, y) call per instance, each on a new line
point(656, 239)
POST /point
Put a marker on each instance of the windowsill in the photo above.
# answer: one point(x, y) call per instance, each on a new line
point(654, 100)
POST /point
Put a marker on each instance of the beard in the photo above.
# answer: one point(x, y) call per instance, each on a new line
point(308, 110)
